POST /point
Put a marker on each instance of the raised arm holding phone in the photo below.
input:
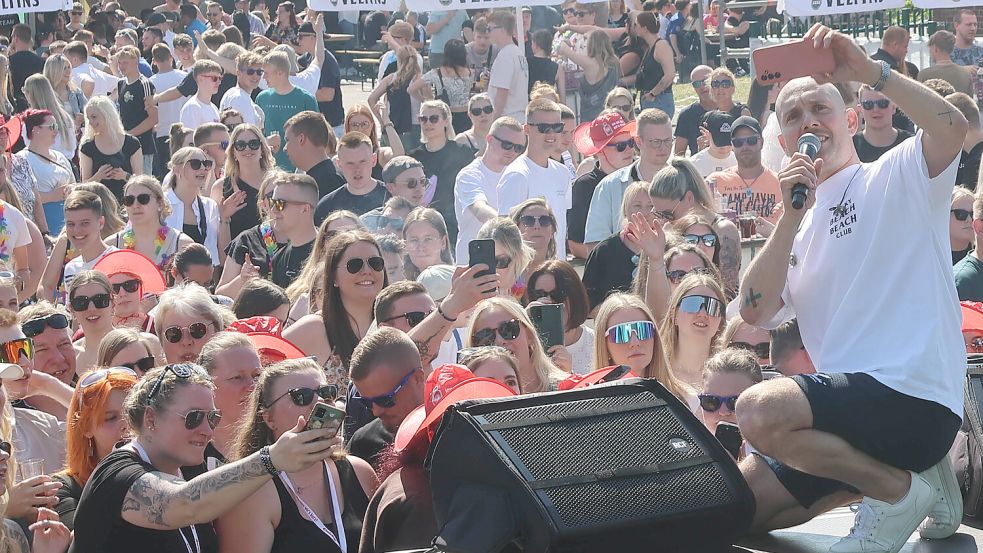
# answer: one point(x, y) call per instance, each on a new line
point(859, 261)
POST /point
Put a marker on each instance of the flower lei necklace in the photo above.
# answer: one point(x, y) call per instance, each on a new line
point(130, 239)
point(4, 233)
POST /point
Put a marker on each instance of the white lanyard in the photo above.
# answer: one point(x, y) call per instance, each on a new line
point(194, 533)
point(343, 543)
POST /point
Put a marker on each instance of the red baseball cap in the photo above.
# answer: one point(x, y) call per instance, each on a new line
point(972, 316)
point(592, 136)
point(261, 324)
point(273, 349)
point(12, 127)
point(445, 386)
point(133, 263)
point(576, 381)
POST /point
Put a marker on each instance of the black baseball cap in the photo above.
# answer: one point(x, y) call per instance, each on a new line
point(746, 121)
point(156, 19)
point(720, 124)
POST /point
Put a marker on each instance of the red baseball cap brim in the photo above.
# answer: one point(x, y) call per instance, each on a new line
point(586, 145)
point(13, 129)
point(274, 346)
point(133, 263)
point(576, 381)
point(972, 315)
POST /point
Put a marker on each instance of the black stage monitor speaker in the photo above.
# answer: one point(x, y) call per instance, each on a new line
point(617, 467)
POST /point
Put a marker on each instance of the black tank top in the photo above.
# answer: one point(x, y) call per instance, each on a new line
point(247, 217)
point(650, 72)
point(400, 111)
point(296, 533)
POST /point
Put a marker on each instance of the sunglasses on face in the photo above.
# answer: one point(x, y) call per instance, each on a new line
point(708, 240)
point(621, 333)
point(580, 14)
point(129, 200)
point(666, 214)
point(749, 140)
point(487, 110)
point(142, 365)
point(695, 304)
point(880, 104)
point(375, 262)
point(130, 286)
point(556, 295)
point(180, 370)
point(223, 144)
point(197, 164)
point(52, 126)
point(388, 400)
point(381, 222)
point(81, 303)
point(622, 146)
point(961, 214)
point(621, 107)
point(433, 119)
point(503, 262)
point(11, 352)
point(241, 145)
point(711, 403)
point(508, 330)
point(32, 328)
point(547, 128)
point(530, 220)
point(77, 13)
point(413, 318)
point(194, 418)
point(507, 146)
point(279, 204)
point(723, 83)
point(175, 334)
point(676, 276)
point(213, 78)
point(569, 11)
point(413, 183)
point(303, 396)
point(700, 83)
point(762, 350)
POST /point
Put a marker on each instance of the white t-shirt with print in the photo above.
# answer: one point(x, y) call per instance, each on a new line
point(196, 113)
point(17, 235)
point(706, 163)
point(524, 179)
point(510, 71)
point(475, 182)
point(870, 277)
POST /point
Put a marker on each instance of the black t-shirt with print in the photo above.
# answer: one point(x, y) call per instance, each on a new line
point(133, 109)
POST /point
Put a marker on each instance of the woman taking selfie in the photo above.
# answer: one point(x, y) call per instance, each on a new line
point(108, 154)
point(426, 241)
point(512, 255)
point(333, 494)
point(146, 230)
point(557, 282)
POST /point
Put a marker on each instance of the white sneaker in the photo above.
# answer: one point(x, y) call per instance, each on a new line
point(947, 513)
point(884, 528)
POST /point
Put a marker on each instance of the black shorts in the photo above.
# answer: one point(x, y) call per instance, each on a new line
point(896, 429)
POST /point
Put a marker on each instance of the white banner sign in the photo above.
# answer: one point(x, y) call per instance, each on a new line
point(928, 4)
point(806, 8)
point(444, 5)
point(350, 5)
point(17, 7)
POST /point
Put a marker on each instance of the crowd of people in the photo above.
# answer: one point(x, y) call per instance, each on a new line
point(200, 240)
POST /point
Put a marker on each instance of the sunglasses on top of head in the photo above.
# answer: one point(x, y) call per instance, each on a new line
point(508, 330)
point(376, 263)
point(142, 199)
point(694, 304)
point(32, 328)
point(197, 164)
point(961, 214)
point(303, 396)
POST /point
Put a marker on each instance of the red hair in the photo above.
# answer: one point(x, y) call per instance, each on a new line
point(81, 458)
point(34, 117)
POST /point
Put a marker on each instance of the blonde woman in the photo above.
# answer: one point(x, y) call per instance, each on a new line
point(601, 72)
point(6, 88)
point(396, 88)
point(248, 161)
point(130, 348)
point(537, 223)
point(41, 96)
point(146, 230)
point(58, 71)
point(503, 322)
point(621, 100)
point(427, 243)
point(741, 335)
point(108, 154)
point(693, 325)
point(198, 216)
point(480, 112)
point(512, 255)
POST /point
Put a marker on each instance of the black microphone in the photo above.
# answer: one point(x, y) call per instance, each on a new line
point(809, 145)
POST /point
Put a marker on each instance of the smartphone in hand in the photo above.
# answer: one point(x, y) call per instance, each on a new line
point(729, 435)
point(482, 252)
point(791, 60)
point(548, 320)
point(325, 416)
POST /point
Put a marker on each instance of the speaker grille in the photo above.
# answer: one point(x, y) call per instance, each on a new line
point(595, 444)
point(625, 499)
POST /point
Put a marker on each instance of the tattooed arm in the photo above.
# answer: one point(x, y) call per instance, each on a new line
point(730, 255)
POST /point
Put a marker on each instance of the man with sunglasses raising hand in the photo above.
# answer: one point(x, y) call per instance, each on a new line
point(749, 186)
point(534, 174)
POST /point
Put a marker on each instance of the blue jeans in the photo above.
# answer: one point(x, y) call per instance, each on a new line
point(663, 101)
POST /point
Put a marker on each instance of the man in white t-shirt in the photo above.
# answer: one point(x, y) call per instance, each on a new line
point(865, 268)
point(168, 113)
point(249, 72)
point(534, 174)
point(508, 85)
point(199, 109)
point(720, 154)
point(84, 221)
point(91, 81)
point(476, 187)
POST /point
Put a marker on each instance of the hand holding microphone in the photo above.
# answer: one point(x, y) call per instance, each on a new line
point(809, 145)
point(801, 175)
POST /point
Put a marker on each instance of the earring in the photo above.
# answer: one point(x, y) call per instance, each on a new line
point(92, 448)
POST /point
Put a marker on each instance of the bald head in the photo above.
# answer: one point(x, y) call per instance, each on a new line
point(700, 72)
point(804, 87)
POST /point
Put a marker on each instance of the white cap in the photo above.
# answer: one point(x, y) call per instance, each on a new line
point(437, 280)
point(10, 371)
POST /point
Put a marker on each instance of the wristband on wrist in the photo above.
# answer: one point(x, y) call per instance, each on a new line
point(444, 315)
point(885, 73)
point(267, 461)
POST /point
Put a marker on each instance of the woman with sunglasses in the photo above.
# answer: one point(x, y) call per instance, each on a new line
point(354, 274)
point(739, 334)
point(537, 224)
point(90, 301)
point(52, 170)
point(725, 376)
point(695, 229)
point(360, 118)
point(232, 361)
point(333, 494)
point(262, 298)
point(692, 326)
point(557, 282)
point(503, 322)
point(512, 255)
point(94, 426)
point(441, 158)
point(130, 348)
point(185, 319)
point(627, 335)
point(961, 233)
point(480, 112)
point(621, 100)
point(129, 309)
point(679, 189)
point(199, 216)
point(426, 241)
point(722, 90)
point(147, 231)
point(248, 161)
point(108, 154)
point(138, 493)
